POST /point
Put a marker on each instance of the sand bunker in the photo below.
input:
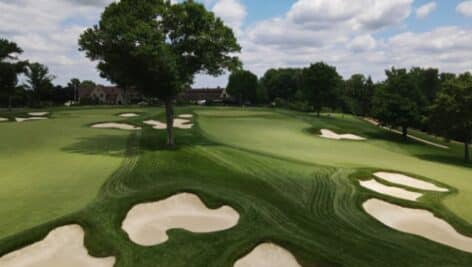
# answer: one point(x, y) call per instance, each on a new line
point(156, 124)
point(147, 224)
point(332, 135)
point(417, 222)
point(409, 181)
point(3, 119)
point(390, 190)
point(30, 119)
point(38, 113)
point(119, 126)
point(129, 115)
point(186, 116)
point(268, 255)
point(62, 247)
point(178, 123)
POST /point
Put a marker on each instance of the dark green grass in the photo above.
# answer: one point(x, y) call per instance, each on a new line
point(312, 210)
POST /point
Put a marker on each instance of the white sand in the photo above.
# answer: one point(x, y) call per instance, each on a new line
point(417, 222)
point(332, 135)
point(30, 119)
point(147, 224)
point(114, 125)
point(3, 119)
point(62, 247)
point(390, 190)
point(376, 123)
point(186, 116)
point(268, 255)
point(129, 115)
point(178, 123)
point(38, 113)
point(156, 124)
point(409, 181)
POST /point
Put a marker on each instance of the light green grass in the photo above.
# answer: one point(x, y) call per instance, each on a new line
point(45, 173)
point(298, 139)
point(289, 186)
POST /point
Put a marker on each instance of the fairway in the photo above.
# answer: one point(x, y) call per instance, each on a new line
point(289, 186)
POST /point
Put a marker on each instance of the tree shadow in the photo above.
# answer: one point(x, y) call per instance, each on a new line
point(107, 145)
point(452, 160)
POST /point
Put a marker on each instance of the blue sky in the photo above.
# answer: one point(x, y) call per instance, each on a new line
point(356, 36)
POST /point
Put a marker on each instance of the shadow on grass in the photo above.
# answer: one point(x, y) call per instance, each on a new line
point(108, 145)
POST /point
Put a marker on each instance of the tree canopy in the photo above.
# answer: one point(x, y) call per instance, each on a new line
point(451, 112)
point(10, 68)
point(320, 83)
point(39, 80)
point(243, 86)
point(158, 47)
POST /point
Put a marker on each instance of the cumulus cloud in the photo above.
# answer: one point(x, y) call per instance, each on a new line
point(465, 8)
point(426, 9)
point(232, 12)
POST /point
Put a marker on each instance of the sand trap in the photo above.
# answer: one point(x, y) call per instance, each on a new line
point(417, 222)
point(409, 181)
point(3, 119)
point(390, 190)
point(268, 255)
point(62, 247)
point(38, 113)
point(186, 116)
point(30, 119)
point(119, 126)
point(332, 135)
point(178, 123)
point(156, 124)
point(147, 224)
point(129, 115)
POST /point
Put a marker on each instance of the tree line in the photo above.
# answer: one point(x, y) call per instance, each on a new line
point(37, 88)
point(420, 98)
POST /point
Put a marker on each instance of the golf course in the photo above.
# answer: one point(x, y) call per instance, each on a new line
point(267, 172)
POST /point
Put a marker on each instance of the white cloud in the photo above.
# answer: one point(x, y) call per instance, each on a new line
point(232, 12)
point(426, 9)
point(362, 43)
point(465, 8)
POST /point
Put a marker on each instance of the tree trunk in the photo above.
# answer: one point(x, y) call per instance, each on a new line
point(10, 98)
point(466, 152)
point(405, 132)
point(170, 122)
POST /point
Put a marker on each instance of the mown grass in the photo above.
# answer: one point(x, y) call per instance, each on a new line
point(283, 187)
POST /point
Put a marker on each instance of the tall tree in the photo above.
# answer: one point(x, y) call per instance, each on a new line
point(396, 101)
point(158, 47)
point(358, 94)
point(451, 113)
point(320, 83)
point(281, 83)
point(242, 86)
point(10, 68)
point(74, 85)
point(39, 80)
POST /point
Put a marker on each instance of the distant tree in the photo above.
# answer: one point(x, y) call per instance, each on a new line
point(358, 94)
point(242, 86)
point(39, 80)
point(396, 101)
point(281, 83)
point(74, 85)
point(320, 83)
point(87, 84)
point(158, 47)
point(10, 68)
point(451, 113)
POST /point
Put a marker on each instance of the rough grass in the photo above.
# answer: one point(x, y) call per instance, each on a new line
point(298, 201)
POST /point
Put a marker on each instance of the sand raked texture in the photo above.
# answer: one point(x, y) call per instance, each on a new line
point(147, 224)
point(408, 181)
point(268, 255)
point(114, 125)
point(62, 247)
point(325, 133)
